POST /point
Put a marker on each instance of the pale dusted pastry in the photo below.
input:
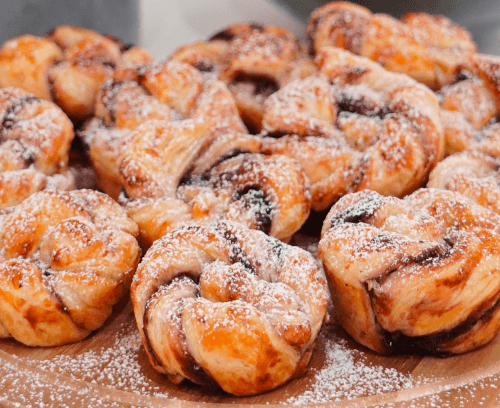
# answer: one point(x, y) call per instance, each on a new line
point(172, 179)
point(34, 145)
point(65, 259)
point(474, 173)
point(67, 66)
point(254, 61)
point(222, 304)
point(168, 91)
point(429, 48)
point(355, 127)
point(471, 105)
point(419, 272)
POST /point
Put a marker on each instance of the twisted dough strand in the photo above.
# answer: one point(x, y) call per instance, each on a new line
point(471, 105)
point(68, 66)
point(375, 129)
point(35, 138)
point(168, 91)
point(221, 304)
point(65, 259)
point(422, 271)
point(474, 173)
point(254, 61)
point(171, 179)
point(431, 49)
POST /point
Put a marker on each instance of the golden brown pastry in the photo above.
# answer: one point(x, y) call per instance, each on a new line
point(168, 91)
point(65, 259)
point(419, 272)
point(471, 105)
point(254, 61)
point(222, 304)
point(474, 173)
point(171, 178)
point(356, 127)
point(67, 66)
point(35, 140)
point(429, 48)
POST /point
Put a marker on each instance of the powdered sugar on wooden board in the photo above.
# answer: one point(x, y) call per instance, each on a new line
point(347, 375)
point(115, 367)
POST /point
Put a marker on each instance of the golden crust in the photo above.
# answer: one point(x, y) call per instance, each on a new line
point(471, 105)
point(429, 48)
point(474, 172)
point(169, 91)
point(65, 259)
point(34, 146)
point(178, 174)
point(254, 61)
point(374, 129)
point(67, 66)
point(222, 304)
point(422, 271)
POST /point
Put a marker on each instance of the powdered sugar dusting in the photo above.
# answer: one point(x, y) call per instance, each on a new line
point(346, 375)
point(116, 367)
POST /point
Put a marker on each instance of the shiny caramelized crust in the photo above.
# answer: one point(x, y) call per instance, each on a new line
point(420, 272)
point(35, 138)
point(65, 259)
point(168, 91)
point(222, 304)
point(471, 105)
point(474, 173)
point(68, 66)
point(178, 174)
point(254, 61)
point(429, 48)
point(374, 129)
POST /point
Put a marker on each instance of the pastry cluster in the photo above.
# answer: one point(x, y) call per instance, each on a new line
point(216, 157)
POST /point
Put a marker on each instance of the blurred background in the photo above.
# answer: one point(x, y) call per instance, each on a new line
point(163, 25)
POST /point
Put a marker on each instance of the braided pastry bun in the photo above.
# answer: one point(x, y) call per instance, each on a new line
point(168, 91)
point(474, 173)
point(221, 304)
point(171, 178)
point(471, 105)
point(422, 271)
point(254, 61)
point(357, 127)
point(35, 140)
point(429, 48)
point(68, 66)
point(65, 259)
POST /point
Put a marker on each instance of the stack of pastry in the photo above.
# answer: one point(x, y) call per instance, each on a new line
point(222, 150)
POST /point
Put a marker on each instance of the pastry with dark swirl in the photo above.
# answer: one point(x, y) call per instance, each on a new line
point(168, 91)
point(429, 48)
point(171, 179)
point(474, 173)
point(224, 305)
point(419, 272)
point(254, 61)
point(355, 127)
point(35, 138)
point(470, 107)
point(66, 258)
point(67, 66)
